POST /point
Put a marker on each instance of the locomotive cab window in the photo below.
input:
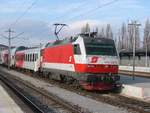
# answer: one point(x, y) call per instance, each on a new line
point(77, 50)
point(100, 47)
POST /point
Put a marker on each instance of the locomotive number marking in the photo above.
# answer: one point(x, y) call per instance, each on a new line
point(70, 58)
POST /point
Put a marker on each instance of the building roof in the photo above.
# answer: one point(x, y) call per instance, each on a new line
point(1, 45)
point(139, 52)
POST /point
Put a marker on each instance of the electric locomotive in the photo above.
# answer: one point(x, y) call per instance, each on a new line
point(87, 58)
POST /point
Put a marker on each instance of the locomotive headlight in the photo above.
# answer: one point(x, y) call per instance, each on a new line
point(91, 65)
point(106, 66)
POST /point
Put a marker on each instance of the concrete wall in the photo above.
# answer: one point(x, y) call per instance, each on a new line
point(138, 69)
point(139, 61)
point(132, 91)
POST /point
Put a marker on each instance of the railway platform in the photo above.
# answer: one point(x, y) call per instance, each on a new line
point(138, 88)
point(7, 104)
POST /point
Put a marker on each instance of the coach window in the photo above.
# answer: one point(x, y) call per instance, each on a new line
point(77, 50)
point(28, 57)
point(32, 57)
point(35, 57)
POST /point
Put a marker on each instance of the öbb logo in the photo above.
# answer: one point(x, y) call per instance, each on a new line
point(94, 59)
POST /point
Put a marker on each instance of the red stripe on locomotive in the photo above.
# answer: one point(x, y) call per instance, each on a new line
point(97, 68)
point(59, 54)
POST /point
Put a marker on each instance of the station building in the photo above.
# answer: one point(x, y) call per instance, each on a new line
point(3, 47)
point(126, 58)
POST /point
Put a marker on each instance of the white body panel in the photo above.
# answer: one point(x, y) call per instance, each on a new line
point(3, 55)
point(13, 51)
point(32, 65)
point(59, 66)
point(1, 58)
point(86, 59)
point(80, 59)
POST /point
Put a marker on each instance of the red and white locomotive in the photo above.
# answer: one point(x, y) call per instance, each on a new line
point(92, 61)
point(88, 60)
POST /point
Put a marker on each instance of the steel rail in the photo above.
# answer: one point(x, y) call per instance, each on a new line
point(17, 91)
point(73, 108)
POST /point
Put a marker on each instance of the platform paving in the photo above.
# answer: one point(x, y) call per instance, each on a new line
point(7, 104)
point(139, 87)
point(87, 104)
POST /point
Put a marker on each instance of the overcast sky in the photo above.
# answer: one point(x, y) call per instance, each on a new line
point(37, 22)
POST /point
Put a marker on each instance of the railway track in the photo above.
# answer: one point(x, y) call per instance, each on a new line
point(22, 95)
point(111, 98)
point(45, 103)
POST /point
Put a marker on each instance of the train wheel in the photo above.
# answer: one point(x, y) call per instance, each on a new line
point(76, 84)
point(49, 75)
point(62, 78)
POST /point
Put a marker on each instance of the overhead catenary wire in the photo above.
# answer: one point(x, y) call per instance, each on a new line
point(73, 9)
point(23, 14)
point(87, 13)
point(4, 25)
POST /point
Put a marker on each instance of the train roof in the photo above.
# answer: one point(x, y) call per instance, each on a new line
point(86, 38)
point(30, 50)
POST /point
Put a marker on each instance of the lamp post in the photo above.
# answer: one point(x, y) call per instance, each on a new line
point(135, 25)
point(146, 52)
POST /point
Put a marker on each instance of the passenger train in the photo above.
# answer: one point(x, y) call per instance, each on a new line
point(91, 62)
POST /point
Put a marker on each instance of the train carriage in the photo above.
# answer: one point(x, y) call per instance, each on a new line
point(28, 59)
point(1, 58)
point(4, 57)
point(92, 61)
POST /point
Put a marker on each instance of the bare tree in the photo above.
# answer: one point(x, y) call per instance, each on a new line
point(109, 33)
point(137, 36)
point(123, 36)
point(147, 34)
point(102, 33)
point(85, 28)
point(96, 30)
point(130, 35)
point(131, 29)
point(119, 41)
